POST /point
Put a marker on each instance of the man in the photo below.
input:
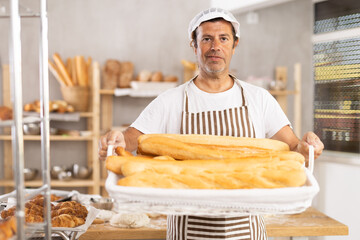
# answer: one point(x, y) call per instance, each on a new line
point(214, 103)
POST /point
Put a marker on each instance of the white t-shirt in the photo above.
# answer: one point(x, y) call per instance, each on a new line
point(163, 114)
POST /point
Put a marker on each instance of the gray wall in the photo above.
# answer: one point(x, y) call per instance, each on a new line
point(281, 38)
point(151, 34)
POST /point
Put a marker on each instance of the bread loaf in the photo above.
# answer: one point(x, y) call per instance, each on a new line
point(222, 141)
point(214, 174)
point(126, 74)
point(179, 149)
point(111, 73)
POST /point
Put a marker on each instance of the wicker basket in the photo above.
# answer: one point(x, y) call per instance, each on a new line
point(76, 96)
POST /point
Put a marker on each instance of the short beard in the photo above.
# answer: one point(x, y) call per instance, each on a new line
point(210, 70)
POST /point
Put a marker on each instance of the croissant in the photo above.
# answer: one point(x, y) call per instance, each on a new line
point(34, 208)
point(33, 218)
point(78, 209)
point(71, 211)
point(64, 220)
point(8, 213)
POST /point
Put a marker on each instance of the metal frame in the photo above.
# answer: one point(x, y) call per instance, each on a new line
point(17, 132)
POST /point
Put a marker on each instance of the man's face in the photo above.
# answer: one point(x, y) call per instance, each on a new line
point(215, 46)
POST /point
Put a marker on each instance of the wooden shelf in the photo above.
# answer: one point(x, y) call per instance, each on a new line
point(107, 91)
point(92, 125)
point(52, 138)
point(282, 92)
point(54, 183)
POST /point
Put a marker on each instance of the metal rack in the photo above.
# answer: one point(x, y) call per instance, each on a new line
point(17, 132)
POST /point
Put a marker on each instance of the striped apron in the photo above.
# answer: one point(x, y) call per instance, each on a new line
point(229, 122)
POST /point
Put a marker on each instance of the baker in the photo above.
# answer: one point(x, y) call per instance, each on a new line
point(214, 103)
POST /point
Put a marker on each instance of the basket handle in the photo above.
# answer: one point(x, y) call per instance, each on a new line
point(110, 150)
point(311, 158)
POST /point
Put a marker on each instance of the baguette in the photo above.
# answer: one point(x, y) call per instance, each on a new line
point(55, 71)
point(81, 70)
point(62, 69)
point(225, 141)
point(276, 174)
point(73, 72)
point(161, 145)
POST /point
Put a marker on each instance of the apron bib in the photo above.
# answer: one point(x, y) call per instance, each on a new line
point(228, 122)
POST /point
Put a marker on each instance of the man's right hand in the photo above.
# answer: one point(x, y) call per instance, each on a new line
point(115, 138)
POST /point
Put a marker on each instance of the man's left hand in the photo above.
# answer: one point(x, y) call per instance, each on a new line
point(310, 138)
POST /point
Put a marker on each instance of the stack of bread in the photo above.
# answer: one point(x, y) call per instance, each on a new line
point(72, 72)
point(65, 214)
point(117, 74)
point(208, 162)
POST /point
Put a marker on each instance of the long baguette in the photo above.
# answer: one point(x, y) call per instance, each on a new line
point(160, 145)
point(81, 70)
point(62, 69)
point(226, 141)
point(73, 72)
point(217, 175)
point(54, 70)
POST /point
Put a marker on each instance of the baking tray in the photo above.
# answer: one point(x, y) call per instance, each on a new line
point(214, 202)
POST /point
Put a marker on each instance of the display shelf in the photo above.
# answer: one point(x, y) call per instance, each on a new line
point(92, 118)
point(54, 183)
point(52, 138)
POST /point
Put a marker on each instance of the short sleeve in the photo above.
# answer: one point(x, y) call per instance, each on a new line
point(274, 116)
point(151, 119)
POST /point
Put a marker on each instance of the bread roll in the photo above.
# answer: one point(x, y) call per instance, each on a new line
point(156, 77)
point(5, 113)
point(144, 76)
point(170, 78)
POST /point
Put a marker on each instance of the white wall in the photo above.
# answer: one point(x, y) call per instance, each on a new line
point(338, 175)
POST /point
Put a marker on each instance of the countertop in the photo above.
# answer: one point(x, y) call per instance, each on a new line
point(308, 223)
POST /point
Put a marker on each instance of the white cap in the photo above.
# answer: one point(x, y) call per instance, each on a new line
point(212, 13)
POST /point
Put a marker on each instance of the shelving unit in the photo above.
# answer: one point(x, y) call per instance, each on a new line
point(282, 95)
point(92, 117)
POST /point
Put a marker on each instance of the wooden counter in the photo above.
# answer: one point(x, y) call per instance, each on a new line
point(309, 223)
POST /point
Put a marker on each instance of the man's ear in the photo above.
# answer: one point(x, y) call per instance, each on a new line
point(192, 45)
point(236, 43)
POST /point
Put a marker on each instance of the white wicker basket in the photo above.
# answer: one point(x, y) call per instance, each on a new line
point(213, 202)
